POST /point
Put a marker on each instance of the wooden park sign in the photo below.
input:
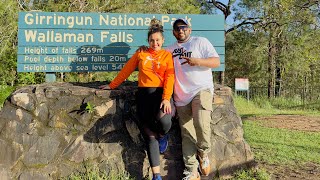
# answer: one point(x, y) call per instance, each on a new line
point(92, 42)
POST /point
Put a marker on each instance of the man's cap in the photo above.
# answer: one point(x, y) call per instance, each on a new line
point(180, 20)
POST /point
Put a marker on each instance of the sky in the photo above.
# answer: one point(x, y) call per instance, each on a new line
point(229, 20)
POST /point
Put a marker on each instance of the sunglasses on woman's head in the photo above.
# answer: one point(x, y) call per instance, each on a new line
point(178, 28)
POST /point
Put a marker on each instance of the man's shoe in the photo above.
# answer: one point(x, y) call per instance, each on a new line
point(163, 143)
point(191, 176)
point(204, 165)
point(156, 177)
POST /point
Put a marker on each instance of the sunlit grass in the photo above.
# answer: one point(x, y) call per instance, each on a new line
point(276, 146)
point(94, 173)
point(251, 174)
point(264, 107)
point(281, 146)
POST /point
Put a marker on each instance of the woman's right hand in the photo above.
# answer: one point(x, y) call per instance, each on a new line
point(166, 106)
point(105, 86)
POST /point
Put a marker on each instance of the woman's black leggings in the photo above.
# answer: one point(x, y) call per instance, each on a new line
point(154, 121)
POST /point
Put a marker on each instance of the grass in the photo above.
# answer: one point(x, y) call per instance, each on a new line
point(264, 107)
point(276, 146)
point(280, 146)
point(93, 173)
point(251, 174)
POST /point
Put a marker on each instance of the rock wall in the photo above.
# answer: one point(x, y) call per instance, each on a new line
point(48, 131)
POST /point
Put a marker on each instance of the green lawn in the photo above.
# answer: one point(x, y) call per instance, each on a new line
point(281, 146)
point(276, 146)
point(262, 107)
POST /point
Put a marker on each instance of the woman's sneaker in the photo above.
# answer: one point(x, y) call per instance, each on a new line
point(163, 143)
point(156, 177)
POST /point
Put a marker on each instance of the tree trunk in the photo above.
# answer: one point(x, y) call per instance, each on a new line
point(221, 77)
point(271, 65)
point(278, 81)
point(312, 72)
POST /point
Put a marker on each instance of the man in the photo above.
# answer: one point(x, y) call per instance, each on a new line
point(193, 93)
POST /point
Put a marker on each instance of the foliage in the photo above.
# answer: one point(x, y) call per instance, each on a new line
point(8, 41)
point(245, 50)
point(30, 78)
point(115, 6)
point(275, 41)
point(89, 107)
point(5, 91)
point(91, 77)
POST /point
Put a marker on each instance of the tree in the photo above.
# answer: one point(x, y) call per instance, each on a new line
point(283, 24)
point(8, 39)
point(225, 9)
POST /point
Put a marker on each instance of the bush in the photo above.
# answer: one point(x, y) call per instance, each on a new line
point(5, 91)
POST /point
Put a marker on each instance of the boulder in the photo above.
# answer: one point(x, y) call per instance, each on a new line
point(50, 130)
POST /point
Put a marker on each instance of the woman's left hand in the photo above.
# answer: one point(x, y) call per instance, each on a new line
point(105, 86)
point(166, 106)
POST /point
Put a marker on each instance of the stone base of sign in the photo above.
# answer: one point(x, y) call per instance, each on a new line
point(49, 131)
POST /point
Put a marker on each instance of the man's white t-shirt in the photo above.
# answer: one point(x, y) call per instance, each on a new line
point(189, 80)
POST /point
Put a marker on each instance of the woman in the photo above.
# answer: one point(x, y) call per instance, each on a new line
point(155, 87)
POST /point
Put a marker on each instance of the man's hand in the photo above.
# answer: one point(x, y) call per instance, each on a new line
point(105, 86)
point(165, 104)
point(142, 49)
point(190, 61)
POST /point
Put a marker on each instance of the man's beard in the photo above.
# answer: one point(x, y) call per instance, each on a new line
point(182, 38)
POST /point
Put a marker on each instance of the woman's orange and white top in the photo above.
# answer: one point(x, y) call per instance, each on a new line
point(155, 70)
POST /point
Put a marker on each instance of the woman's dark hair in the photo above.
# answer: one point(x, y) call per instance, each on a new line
point(155, 26)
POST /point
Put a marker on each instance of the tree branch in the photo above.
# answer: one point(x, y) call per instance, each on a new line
point(221, 4)
point(309, 4)
point(253, 21)
point(222, 7)
point(245, 22)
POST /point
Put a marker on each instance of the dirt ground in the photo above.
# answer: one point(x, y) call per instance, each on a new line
point(309, 171)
